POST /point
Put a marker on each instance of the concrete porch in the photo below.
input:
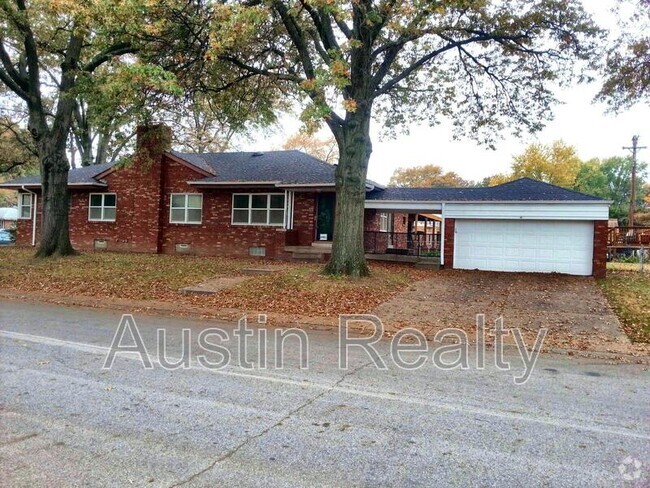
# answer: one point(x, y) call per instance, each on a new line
point(318, 251)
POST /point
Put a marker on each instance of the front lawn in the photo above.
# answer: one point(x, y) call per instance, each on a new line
point(296, 289)
point(629, 294)
point(109, 275)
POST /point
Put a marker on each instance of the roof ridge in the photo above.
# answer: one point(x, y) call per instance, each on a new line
point(528, 178)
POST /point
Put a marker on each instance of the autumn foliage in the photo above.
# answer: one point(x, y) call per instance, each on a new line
point(427, 176)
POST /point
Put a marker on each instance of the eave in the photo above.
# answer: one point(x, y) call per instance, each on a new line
point(37, 186)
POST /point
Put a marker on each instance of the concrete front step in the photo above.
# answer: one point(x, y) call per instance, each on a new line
point(312, 257)
point(304, 250)
point(323, 245)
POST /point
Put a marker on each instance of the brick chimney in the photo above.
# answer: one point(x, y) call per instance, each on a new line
point(146, 176)
point(151, 142)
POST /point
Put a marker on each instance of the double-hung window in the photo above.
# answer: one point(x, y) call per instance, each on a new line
point(258, 209)
point(102, 207)
point(385, 222)
point(186, 208)
point(25, 206)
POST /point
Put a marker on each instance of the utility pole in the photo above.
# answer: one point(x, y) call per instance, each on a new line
point(635, 148)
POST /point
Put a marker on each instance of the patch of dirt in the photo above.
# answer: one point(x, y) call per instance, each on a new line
point(572, 309)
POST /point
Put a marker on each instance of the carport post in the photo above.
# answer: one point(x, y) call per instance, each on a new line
point(442, 236)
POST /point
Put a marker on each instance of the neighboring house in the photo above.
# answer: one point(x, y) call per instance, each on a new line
point(8, 217)
point(280, 204)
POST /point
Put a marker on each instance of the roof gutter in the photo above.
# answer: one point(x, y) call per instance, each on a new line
point(425, 202)
point(233, 183)
point(274, 184)
point(23, 186)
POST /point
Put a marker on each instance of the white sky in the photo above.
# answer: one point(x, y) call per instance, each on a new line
point(578, 122)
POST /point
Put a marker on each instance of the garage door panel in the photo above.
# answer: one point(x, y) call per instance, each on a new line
point(524, 245)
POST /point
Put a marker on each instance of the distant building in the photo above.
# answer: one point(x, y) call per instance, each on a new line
point(8, 217)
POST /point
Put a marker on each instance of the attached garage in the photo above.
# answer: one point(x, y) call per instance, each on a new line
point(524, 245)
point(520, 226)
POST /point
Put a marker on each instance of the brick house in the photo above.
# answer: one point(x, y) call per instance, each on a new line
point(280, 204)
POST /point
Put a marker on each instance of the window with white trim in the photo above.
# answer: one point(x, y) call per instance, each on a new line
point(384, 222)
point(186, 208)
point(25, 206)
point(102, 207)
point(258, 209)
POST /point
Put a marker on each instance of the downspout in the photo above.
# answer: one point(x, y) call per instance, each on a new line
point(34, 210)
point(442, 236)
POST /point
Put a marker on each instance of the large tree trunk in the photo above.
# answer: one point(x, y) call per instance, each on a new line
point(55, 237)
point(348, 257)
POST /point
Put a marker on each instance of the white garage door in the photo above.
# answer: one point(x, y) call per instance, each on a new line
point(516, 245)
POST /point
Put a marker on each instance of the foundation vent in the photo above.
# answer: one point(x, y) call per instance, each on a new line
point(257, 251)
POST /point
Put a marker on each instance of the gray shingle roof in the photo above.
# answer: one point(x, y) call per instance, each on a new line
point(524, 189)
point(283, 167)
point(85, 175)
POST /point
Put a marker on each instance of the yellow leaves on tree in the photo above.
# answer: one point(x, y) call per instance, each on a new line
point(324, 149)
point(426, 176)
point(557, 164)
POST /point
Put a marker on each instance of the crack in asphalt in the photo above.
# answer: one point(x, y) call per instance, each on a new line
point(280, 422)
point(19, 439)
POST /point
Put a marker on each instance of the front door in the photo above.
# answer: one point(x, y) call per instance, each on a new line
point(325, 217)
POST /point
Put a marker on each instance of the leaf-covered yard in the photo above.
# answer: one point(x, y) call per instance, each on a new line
point(629, 293)
point(297, 289)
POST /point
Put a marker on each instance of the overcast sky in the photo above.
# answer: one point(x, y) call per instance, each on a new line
point(578, 122)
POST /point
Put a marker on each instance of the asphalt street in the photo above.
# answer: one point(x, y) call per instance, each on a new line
point(65, 421)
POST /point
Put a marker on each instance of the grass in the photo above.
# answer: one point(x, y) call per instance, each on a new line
point(296, 289)
point(629, 294)
point(618, 266)
point(137, 276)
point(305, 291)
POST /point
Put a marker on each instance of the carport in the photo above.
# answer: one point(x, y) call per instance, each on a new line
point(520, 226)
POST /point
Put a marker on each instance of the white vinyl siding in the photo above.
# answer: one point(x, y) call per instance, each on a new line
point(186, 208)
point(102, 207)
point(524, 245)
point(529, 211)
point(25, 206)
point(258, 209)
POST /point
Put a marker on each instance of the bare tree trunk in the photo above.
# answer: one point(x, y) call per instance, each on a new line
point(348, 257)
point(55, 237)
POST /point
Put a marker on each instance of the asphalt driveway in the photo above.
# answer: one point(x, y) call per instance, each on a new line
point(569, 306)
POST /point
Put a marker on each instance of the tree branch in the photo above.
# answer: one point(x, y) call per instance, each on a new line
point(11, 71)
point(297, 37)
point(425, 59)
point(108, 54)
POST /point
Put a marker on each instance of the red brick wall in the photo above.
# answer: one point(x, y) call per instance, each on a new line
point(142, 217)
point(216, 235)
point(599, 269)
point(377, 242)
point(371, 221)
point(304, 217)
point(448, 250)
point(24, 227)
point(136, 225)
